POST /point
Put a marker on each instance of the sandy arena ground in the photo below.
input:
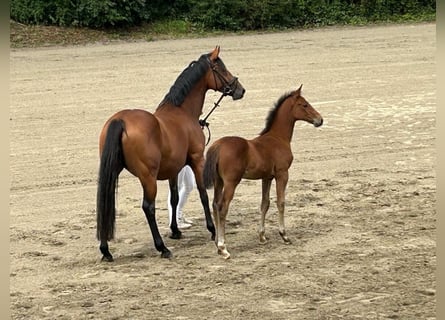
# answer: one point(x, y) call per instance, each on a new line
point(360, 200)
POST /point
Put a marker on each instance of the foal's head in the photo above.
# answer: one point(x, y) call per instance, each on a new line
point(302, 110)
point(220, 79)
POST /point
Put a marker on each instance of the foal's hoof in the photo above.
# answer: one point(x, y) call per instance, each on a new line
point(108, 258)
point(166, 254)
point(285, 238)
point(224, 253)
point(263, 239)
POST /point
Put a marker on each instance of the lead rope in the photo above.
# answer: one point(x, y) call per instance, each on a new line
point(203, 122)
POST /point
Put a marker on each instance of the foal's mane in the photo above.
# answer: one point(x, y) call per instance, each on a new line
point(273, 112)
point(186, 80)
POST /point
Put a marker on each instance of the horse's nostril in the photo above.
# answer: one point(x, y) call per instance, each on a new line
point(239, 94)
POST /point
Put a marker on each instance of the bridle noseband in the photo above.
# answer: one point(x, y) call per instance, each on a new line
point(228, 90)
point(229, 86)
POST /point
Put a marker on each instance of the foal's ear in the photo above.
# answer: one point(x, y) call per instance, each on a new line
point(298, 92)
point(214, 54)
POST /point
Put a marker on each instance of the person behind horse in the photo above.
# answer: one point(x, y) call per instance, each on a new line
point(186, 183)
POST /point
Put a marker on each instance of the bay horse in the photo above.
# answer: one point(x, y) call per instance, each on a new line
point(155, 146)
point(266, 157)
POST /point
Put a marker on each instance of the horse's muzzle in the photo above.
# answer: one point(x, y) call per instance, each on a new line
point(237, 90)
point(239, 93)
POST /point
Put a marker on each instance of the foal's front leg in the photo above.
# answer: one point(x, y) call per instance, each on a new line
point(265, 203)
point(281, 182)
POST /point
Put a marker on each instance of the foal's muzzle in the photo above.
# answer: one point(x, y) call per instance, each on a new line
point(318, 122)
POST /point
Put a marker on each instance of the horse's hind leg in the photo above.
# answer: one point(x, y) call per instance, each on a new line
point(265, 203)
point(148, 205)
point(105, 251)
point(149, 210)
point(281, 182)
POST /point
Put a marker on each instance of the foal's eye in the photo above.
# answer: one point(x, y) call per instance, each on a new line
point(305, 105)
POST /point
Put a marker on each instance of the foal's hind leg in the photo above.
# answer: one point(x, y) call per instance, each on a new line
point(217, 196)
point(265, 203)
point(223, 208)
point(281, 182)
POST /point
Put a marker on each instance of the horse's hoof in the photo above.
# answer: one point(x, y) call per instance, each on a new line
point(175, 235)
point(166, 254)
point(107, 258)
point(212, 230)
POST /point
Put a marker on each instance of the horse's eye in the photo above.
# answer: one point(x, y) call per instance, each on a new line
point(305, 105)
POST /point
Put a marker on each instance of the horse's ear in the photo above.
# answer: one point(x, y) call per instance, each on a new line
point(298, 92)
point(214, 54)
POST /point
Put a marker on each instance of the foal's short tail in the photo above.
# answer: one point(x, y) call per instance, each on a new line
point(210, 172)
point(111, 164)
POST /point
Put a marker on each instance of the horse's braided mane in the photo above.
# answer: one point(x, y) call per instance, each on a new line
point(186, 80)
point(273, 112)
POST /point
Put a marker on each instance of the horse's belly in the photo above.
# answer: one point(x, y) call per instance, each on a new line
point(169, 171)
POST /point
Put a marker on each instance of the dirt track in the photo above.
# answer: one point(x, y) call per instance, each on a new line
point(360, 200)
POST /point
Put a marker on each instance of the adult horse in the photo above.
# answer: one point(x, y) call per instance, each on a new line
point(266, 157)
point(155, 146)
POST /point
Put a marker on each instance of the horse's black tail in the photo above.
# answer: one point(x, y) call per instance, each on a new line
point(111, 164)
point(210, 172)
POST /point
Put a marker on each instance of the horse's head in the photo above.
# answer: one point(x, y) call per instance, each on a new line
point(302, 110)
point(221, 79)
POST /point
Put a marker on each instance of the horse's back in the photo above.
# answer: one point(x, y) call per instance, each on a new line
point(141, 137)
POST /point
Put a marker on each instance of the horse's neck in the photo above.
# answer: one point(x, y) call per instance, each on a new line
point(194, 101)
point(193, 104)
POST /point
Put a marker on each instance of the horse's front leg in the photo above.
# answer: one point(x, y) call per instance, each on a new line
point(265, 203)
point(197, 168)
point(174, 199)
point(281, 182)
